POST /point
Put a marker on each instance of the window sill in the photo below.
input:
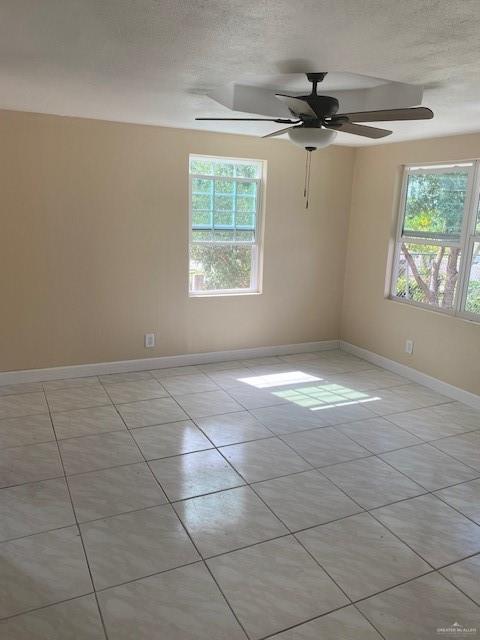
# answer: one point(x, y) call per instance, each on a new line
point(465, 317)
point(223, 294)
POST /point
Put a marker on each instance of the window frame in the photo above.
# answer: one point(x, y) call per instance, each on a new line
point(257, 245)
point(466, 241)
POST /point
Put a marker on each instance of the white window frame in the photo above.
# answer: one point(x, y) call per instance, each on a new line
point(257, 245)
point(465, 242)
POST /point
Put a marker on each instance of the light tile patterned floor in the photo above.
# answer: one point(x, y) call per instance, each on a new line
point(305, 497)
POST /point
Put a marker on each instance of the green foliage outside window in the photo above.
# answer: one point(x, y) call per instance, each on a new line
point(220, 267)
point(224, 223)
point(472, 303)
point(434, 205)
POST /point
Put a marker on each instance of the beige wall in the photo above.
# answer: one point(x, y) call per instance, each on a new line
point(447, 348)
point(93, 244)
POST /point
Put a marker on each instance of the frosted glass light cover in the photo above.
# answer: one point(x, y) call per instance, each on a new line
point(311, 137)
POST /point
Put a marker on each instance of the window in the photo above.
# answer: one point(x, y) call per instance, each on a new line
point(437, 253)
point(225, 225)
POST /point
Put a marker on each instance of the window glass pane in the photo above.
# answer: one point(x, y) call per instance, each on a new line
point(223, 248)
point(245, 219)
point(246, 203)
point(223, 219)
point(201, 236)
point(202, 166)
point(202, 186)
point(428, 274)
point(220, 267)
point(473, 291)
point(247, 170)
point(224, 186)
point(245, 236)
point(222, 235)
point(434, 205)
point(201, 202)
point(225, 167)
point(224, 203)
point(247, 188)
point(227, 235)
point(477, 226)
point(201, 219)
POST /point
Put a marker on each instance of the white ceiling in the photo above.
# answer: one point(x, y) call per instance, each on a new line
point(154, 61)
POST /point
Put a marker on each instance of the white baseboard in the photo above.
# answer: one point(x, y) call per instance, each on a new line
point(144, 364)
point(437, 385)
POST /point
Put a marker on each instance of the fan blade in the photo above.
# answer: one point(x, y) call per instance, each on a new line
point(360, 130)
point(278, 132)
point(297, 106)
point(385, 115)
point(279, 120)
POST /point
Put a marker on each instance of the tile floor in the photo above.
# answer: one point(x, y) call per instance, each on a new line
point(305, 497)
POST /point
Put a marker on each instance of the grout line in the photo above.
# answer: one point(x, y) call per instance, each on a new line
point(401, 540)
point(423, 486)
point(136, 378)
point(369, 511)
point(145, 461)
point(323, 615)
point(469, 466)
point(120, 404)
point(39, 533)
point(454, 562)
point(79, 532)
point(370, 622)
point(161, 424)
point(149, 575)
point(46, 606)
point(390, 415)
point(337, 426)
point(20, 393)
point(250, 485)
point(227, 602)
point(23, 484)
point(28, 444)
point(308, 620)
point(96, 433)
point(425, 492)
point(454, 583)
point(299, 542)
point(434, 493)
point(176, 455)
point(95, 380)
point(423, 575)
point(323, 568)
point(209, 571)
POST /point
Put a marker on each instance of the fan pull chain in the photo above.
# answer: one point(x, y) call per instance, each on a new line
point(306, 187)
point(305, 180)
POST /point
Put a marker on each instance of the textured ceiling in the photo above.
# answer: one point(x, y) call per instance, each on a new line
point(153, 61)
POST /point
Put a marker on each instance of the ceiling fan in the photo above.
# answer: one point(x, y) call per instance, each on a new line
point(316, 120)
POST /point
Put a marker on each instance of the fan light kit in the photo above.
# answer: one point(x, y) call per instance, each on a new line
point(309, 137)
point(315, 121)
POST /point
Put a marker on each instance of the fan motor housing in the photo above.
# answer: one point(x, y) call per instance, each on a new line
point(325, 105)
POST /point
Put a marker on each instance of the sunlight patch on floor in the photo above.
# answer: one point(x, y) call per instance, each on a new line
point(279, 379)
point(324, 396)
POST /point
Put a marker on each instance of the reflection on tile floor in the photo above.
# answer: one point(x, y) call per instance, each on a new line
point(306, 497)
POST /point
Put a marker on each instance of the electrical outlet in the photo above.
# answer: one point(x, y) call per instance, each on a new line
point(409, 347)
point(149, 340)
